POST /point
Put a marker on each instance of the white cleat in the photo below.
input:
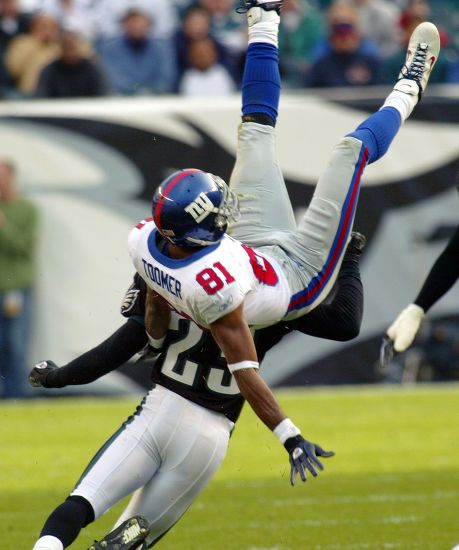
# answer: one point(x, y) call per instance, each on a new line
point(421, 56)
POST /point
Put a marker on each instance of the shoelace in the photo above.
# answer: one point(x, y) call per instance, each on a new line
point(416, 70)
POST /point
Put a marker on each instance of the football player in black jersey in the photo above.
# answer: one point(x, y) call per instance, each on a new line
point(194, 396)
point(442, 276)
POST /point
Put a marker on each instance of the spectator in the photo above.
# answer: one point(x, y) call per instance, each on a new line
point(416, 12)
point(12, 22)
point(74, 73)
point(196, 25)
point(230, 31)
point(206, 76)
point(346, 61)
point(379, 22)
point(75, 15)
point(18, 232)
point(109, 15)
point(135, 62)
point(300, 29)
point(27, 54)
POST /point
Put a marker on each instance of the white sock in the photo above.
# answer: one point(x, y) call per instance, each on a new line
point(263, 26)
point(404, 103)
point(48, 542)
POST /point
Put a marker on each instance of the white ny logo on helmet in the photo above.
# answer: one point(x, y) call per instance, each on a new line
point(201, 207)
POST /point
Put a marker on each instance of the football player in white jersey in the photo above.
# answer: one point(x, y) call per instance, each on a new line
point(188, 252)
point(194, 378)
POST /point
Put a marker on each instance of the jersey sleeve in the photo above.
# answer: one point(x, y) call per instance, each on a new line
point(136, 234)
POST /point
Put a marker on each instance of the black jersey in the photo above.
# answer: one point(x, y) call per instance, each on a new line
point(191, 363)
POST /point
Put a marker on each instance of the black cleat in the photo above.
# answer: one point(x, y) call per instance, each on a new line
point(130, 535)
point(357, 243)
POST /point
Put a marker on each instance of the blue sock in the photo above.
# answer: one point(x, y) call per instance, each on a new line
point(377, 132)
point(261, 81)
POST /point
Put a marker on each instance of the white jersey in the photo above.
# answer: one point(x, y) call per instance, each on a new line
point(213, 281)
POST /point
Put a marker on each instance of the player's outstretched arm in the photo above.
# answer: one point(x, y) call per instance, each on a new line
point(235, 340)
point(141, 306)
point(91, 365)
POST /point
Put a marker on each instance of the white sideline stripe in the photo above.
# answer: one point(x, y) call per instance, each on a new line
point(400, 519)
point(365, 546)
point(396, 520)
point(381, 478)
point(438, 495)
point(355, 546)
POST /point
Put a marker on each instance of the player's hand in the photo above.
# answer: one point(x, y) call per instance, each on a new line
point(37, 376)
point(403, 330)
point(303, 454)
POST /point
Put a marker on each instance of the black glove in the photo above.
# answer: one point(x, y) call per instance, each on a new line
point(386, 353)
point(39, 373)
point(304, 453)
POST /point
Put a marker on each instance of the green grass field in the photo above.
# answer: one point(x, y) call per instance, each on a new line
point(393, 484)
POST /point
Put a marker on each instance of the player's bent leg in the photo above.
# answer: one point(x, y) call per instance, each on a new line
point(127, 460)
point(257, 179)
point(64, 524)
point(124, 463)
point(193, 457)
point(323, 233)
point(338, 188)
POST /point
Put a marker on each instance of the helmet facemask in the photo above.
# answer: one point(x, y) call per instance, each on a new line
point(229, 207)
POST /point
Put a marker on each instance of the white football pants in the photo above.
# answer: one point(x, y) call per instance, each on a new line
point(166, 452)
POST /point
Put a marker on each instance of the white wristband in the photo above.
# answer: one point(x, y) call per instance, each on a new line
point(156, 343)
point(285, 429)
point(243, 365)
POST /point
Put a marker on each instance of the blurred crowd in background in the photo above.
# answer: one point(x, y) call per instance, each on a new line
point(85, 48)
point(96, 48)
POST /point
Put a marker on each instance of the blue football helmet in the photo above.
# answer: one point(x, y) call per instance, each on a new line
point(193, 208)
